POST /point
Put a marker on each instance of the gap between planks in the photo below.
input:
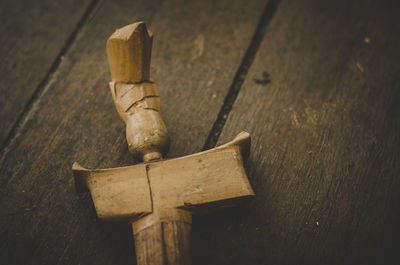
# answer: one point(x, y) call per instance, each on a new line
point(241, 74)
point(31, 106)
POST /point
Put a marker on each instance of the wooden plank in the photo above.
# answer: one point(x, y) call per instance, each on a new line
point(197, 49)
point(321, 102)
point(34, 33)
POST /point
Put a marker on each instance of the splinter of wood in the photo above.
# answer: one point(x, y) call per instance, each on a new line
point(158, 197)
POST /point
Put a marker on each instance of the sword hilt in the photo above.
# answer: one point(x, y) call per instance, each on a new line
point(135, 96)
point(160, 237)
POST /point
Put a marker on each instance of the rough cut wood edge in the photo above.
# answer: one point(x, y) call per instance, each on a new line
point(129, 53)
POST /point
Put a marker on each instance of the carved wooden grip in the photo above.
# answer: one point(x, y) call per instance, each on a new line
point(135, 96)
point(163, 240)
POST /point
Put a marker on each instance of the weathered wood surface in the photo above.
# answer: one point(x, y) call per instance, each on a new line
point(320, 100)
point(197, 49)
point(171, 239)
point(322, 103)
point(34, 34)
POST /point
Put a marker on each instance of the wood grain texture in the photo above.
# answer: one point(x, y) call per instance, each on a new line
point(196, 183)
point(177, 250)
point(129, 53)
point(196, 51)
point(210, 38)
point(321, 102)
point(33, 33)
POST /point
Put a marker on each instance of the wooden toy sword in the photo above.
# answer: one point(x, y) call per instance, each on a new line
point(158, 196)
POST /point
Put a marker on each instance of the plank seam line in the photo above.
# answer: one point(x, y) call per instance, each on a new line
point(241, 74)
point(41, 88)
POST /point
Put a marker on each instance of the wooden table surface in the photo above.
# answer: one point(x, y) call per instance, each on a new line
point(315, 83)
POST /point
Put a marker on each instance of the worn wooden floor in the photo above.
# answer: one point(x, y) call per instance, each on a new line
point(316, 83)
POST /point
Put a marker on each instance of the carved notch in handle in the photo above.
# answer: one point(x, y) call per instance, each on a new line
point(135, 96)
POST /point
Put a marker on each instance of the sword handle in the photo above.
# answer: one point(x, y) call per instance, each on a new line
point(163, 239)
point(135, 96)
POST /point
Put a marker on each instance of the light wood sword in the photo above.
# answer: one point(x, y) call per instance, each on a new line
point(158, 197)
